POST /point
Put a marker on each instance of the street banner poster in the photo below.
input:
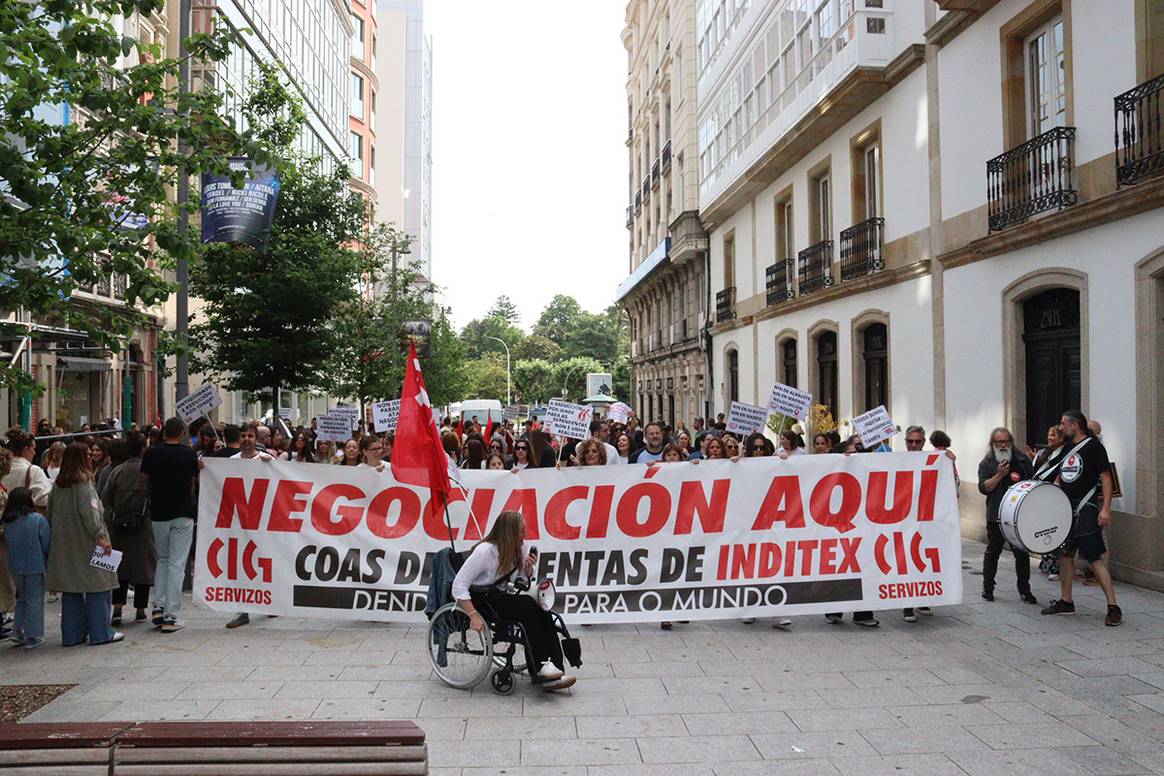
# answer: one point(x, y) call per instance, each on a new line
point(333, 428)
point(351, 412)
point(599, 384)
point(384, 415)
point(618, 412)
point(874, 426)
point(746, 418)
point(759, 537)
point(510, 412)
point(568, 420)
point(240, 215)
point(789, 402)
point(201, 402)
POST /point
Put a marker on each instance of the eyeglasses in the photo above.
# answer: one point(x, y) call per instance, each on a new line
point(521, 447)
point(759, 449)
point(918, 442)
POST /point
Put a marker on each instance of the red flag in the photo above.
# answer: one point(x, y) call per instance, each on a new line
point(418, 458)
point(488, 431)
point(460, 428)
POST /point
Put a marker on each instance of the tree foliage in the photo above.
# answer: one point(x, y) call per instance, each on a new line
point(445, 371)
point(476, 337)
point(485, 377)
point(504, 308)
point(267, 319)
point(533, 379)
point(536, 346)
point(86, 197)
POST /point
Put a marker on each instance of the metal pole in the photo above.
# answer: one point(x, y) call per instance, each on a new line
point(508, 372)
point(182, 369)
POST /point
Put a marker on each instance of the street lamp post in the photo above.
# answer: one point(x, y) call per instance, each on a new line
point(182, 313)
point(508, 374)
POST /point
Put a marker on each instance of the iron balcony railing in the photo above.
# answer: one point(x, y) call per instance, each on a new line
point(655, 174)
point(638, 201)
point(725, 305)
point(816, 267)
point(778, 282)
point(646, 189)
point(1139, 137)
point(666, 156)
point(861, 249)
point(1035, 177)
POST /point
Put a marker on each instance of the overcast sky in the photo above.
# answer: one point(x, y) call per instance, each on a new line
point(529, 155)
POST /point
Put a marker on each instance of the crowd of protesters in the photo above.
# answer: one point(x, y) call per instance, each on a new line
point(63, 501)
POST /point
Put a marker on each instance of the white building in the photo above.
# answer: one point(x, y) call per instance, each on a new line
point(403, 125)
point(956, 160)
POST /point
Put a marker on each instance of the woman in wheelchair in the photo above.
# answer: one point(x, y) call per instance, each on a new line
point(487, 574)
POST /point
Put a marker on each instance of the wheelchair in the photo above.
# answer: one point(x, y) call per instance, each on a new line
point(463, 658)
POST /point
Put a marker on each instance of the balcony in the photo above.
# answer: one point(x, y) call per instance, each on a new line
point(816, 267)
point(630, 216)
point(1139, 136)
point(725, 305)
point(646, 189)
point(861, 249)
point(778, 282)
point(655, 174)
point(666, 157)
point(638, 201)
point(1032, 178)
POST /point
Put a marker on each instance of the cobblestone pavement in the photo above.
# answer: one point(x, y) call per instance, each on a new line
point(982, 688)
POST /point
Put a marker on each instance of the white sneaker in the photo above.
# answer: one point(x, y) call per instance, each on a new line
point(549, 672)
point(782, 622)
point(559, 684)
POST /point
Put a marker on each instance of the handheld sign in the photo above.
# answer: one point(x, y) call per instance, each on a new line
point(874, 426)
point(285, 413)
point(333, 428)
point(348, 411)
point(510, 412)
point(568, 420)
point(108, 562)
point(746, 418)
point(618, 412)
point(199, 403)
point(385, 414)
point(790, 402)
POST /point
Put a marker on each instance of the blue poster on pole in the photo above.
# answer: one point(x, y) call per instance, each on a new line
point(242, 215)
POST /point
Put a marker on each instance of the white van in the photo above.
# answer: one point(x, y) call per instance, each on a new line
point(484, 410)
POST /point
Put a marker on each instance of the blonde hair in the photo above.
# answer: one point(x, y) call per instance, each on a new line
point(506, 536)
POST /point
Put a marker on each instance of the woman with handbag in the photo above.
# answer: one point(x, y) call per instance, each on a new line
point(127, 515)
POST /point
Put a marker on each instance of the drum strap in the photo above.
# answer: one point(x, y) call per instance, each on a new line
point(1084, 500)
point(1049, 465)
point(1091, 492)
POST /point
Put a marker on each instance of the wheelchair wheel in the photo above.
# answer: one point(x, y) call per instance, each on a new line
point(502, 682)
point(461, 657)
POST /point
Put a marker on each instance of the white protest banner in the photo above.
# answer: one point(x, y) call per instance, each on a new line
point(333, 428)
point(348, 411)
point(201, 402)
point(285, 413)
point(790, 402)
point(568, 420)
point(746, 418)
point(511, 412)
point(874, 426)
point(760, 537)
point(618, 412)
point(108, 562)
point(385, 414)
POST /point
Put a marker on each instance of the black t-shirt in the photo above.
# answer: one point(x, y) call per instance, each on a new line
point(225, 452)
point(171, 469)
point(566, 450)
point(1081, 470)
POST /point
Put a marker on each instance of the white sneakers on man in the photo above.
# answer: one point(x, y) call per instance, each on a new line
point(554, 679)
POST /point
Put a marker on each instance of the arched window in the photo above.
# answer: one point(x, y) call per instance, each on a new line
point(788, 362)
point(875, 352)
point(733, 375)
point(826, 362)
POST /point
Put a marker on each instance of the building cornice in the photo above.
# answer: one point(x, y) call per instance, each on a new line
point(366, 72)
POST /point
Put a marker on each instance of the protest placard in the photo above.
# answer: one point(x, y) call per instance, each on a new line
point(510, 412)
point(333, 428)
point(746, 418)
point(790, 402)
point(874, 426)
point(762, 537)
point(108, 562)
point(285, 413)
point(618, 412)
point(385, 414)
point(199, 403)
point(568, 420)
point(348, 411)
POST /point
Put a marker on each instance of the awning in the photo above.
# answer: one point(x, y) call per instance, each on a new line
point(82, 364)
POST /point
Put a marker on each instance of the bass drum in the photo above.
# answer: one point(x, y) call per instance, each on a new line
point(1035, 516)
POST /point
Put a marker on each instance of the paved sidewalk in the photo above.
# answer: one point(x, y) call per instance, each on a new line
point(977, 689)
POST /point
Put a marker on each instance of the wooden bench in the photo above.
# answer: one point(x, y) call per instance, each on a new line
point(357, 748)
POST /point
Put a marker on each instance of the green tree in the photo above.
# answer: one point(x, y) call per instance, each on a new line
point(536, 346)
point(559, 318)
point(87, 199)
point(267, 320)
point(485, 377)
point(595, 335)
point(533, 379)
point(445, 370)
point(368, 359)
point(570, 376)
point(504, 308)
point(477, 333)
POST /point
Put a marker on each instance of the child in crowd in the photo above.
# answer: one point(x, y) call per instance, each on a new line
point(28, 535)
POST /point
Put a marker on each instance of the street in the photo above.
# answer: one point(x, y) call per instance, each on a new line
point(980, 688)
